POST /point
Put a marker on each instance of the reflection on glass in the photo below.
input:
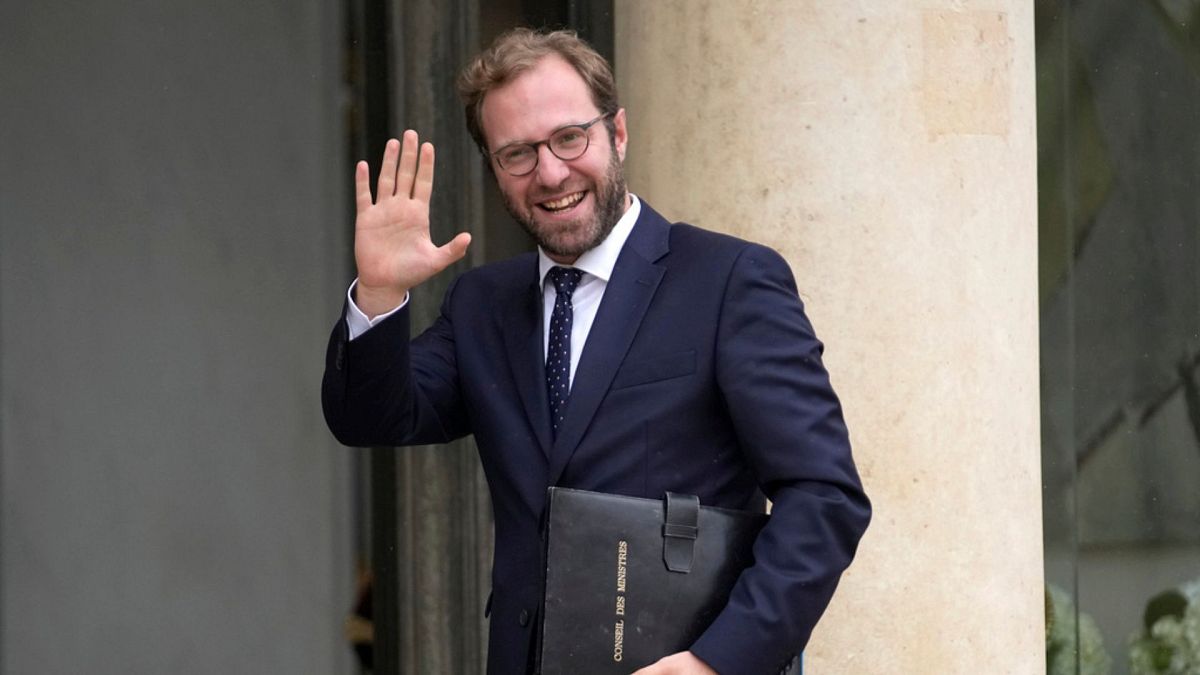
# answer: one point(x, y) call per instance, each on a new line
point(1119, 185)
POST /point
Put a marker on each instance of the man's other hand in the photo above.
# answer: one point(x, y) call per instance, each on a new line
point(392, 247)
point(683, 663)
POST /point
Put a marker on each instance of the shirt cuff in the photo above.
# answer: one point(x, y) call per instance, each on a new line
point(356, 321)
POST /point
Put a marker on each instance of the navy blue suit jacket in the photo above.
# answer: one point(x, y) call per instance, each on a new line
point(701, 375)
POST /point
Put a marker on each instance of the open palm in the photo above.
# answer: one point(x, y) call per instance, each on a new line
point(392, 247)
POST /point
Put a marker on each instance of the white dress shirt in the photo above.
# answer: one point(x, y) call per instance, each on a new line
point(596, 265)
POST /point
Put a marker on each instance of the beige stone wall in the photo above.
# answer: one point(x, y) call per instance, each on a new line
point(887, 149)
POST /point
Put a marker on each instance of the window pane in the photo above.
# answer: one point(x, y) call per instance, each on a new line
point(1119, 184)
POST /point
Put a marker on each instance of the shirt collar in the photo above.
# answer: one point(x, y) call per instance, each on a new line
point(599, 261)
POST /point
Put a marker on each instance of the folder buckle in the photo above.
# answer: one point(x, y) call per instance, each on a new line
point(680, 529)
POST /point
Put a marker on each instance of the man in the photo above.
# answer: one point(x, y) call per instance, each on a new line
point(659, 357)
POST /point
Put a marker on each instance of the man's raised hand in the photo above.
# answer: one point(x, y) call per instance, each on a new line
point(392, 247)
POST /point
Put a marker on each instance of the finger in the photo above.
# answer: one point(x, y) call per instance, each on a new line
point(387, 171)
point(408, 164)
point(362, 186)
point(656, 668)
point(423, 186)
point(453, 250)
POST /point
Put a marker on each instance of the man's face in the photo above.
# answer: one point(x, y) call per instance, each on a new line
point(567, 206)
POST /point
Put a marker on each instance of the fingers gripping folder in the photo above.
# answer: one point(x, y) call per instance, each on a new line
point(630, 580)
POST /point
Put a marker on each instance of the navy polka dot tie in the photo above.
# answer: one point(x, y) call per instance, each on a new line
point(558, 354)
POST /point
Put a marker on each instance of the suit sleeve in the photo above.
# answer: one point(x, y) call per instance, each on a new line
point(790, 426)
point(382, 390)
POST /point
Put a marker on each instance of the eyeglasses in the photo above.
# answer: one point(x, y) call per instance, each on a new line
point(567, 143)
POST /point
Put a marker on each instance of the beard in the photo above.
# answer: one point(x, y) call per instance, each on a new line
point(573, 239)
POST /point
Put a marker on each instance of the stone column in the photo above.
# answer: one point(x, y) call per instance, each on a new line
point(887, 149)
point(440, 518)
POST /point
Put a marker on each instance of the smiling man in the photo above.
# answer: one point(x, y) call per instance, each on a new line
point(627, 355)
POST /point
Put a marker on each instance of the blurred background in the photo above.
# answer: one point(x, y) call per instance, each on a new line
point(175, 244)
point(173, 234)
point(1119, 225)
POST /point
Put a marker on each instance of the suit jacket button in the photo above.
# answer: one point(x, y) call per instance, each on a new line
point(524, 619)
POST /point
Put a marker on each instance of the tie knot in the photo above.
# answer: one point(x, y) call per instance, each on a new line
point(565, 279)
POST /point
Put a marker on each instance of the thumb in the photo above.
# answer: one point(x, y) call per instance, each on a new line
point(453, 250)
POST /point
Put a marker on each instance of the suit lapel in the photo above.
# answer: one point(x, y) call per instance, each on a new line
point(523, 340)
point(634, 280)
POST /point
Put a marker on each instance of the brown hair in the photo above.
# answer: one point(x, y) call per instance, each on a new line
point(518, 50)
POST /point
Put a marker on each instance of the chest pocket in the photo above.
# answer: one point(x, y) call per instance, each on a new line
point(645, 371)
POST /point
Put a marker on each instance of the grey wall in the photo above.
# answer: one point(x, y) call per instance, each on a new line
point(173, 244)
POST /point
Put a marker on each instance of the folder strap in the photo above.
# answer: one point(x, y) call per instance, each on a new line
point(681, 517)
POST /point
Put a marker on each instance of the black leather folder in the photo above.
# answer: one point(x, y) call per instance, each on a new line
point(631, 580)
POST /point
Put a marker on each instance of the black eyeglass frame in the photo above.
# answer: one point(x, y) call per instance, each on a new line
point(537, 156)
